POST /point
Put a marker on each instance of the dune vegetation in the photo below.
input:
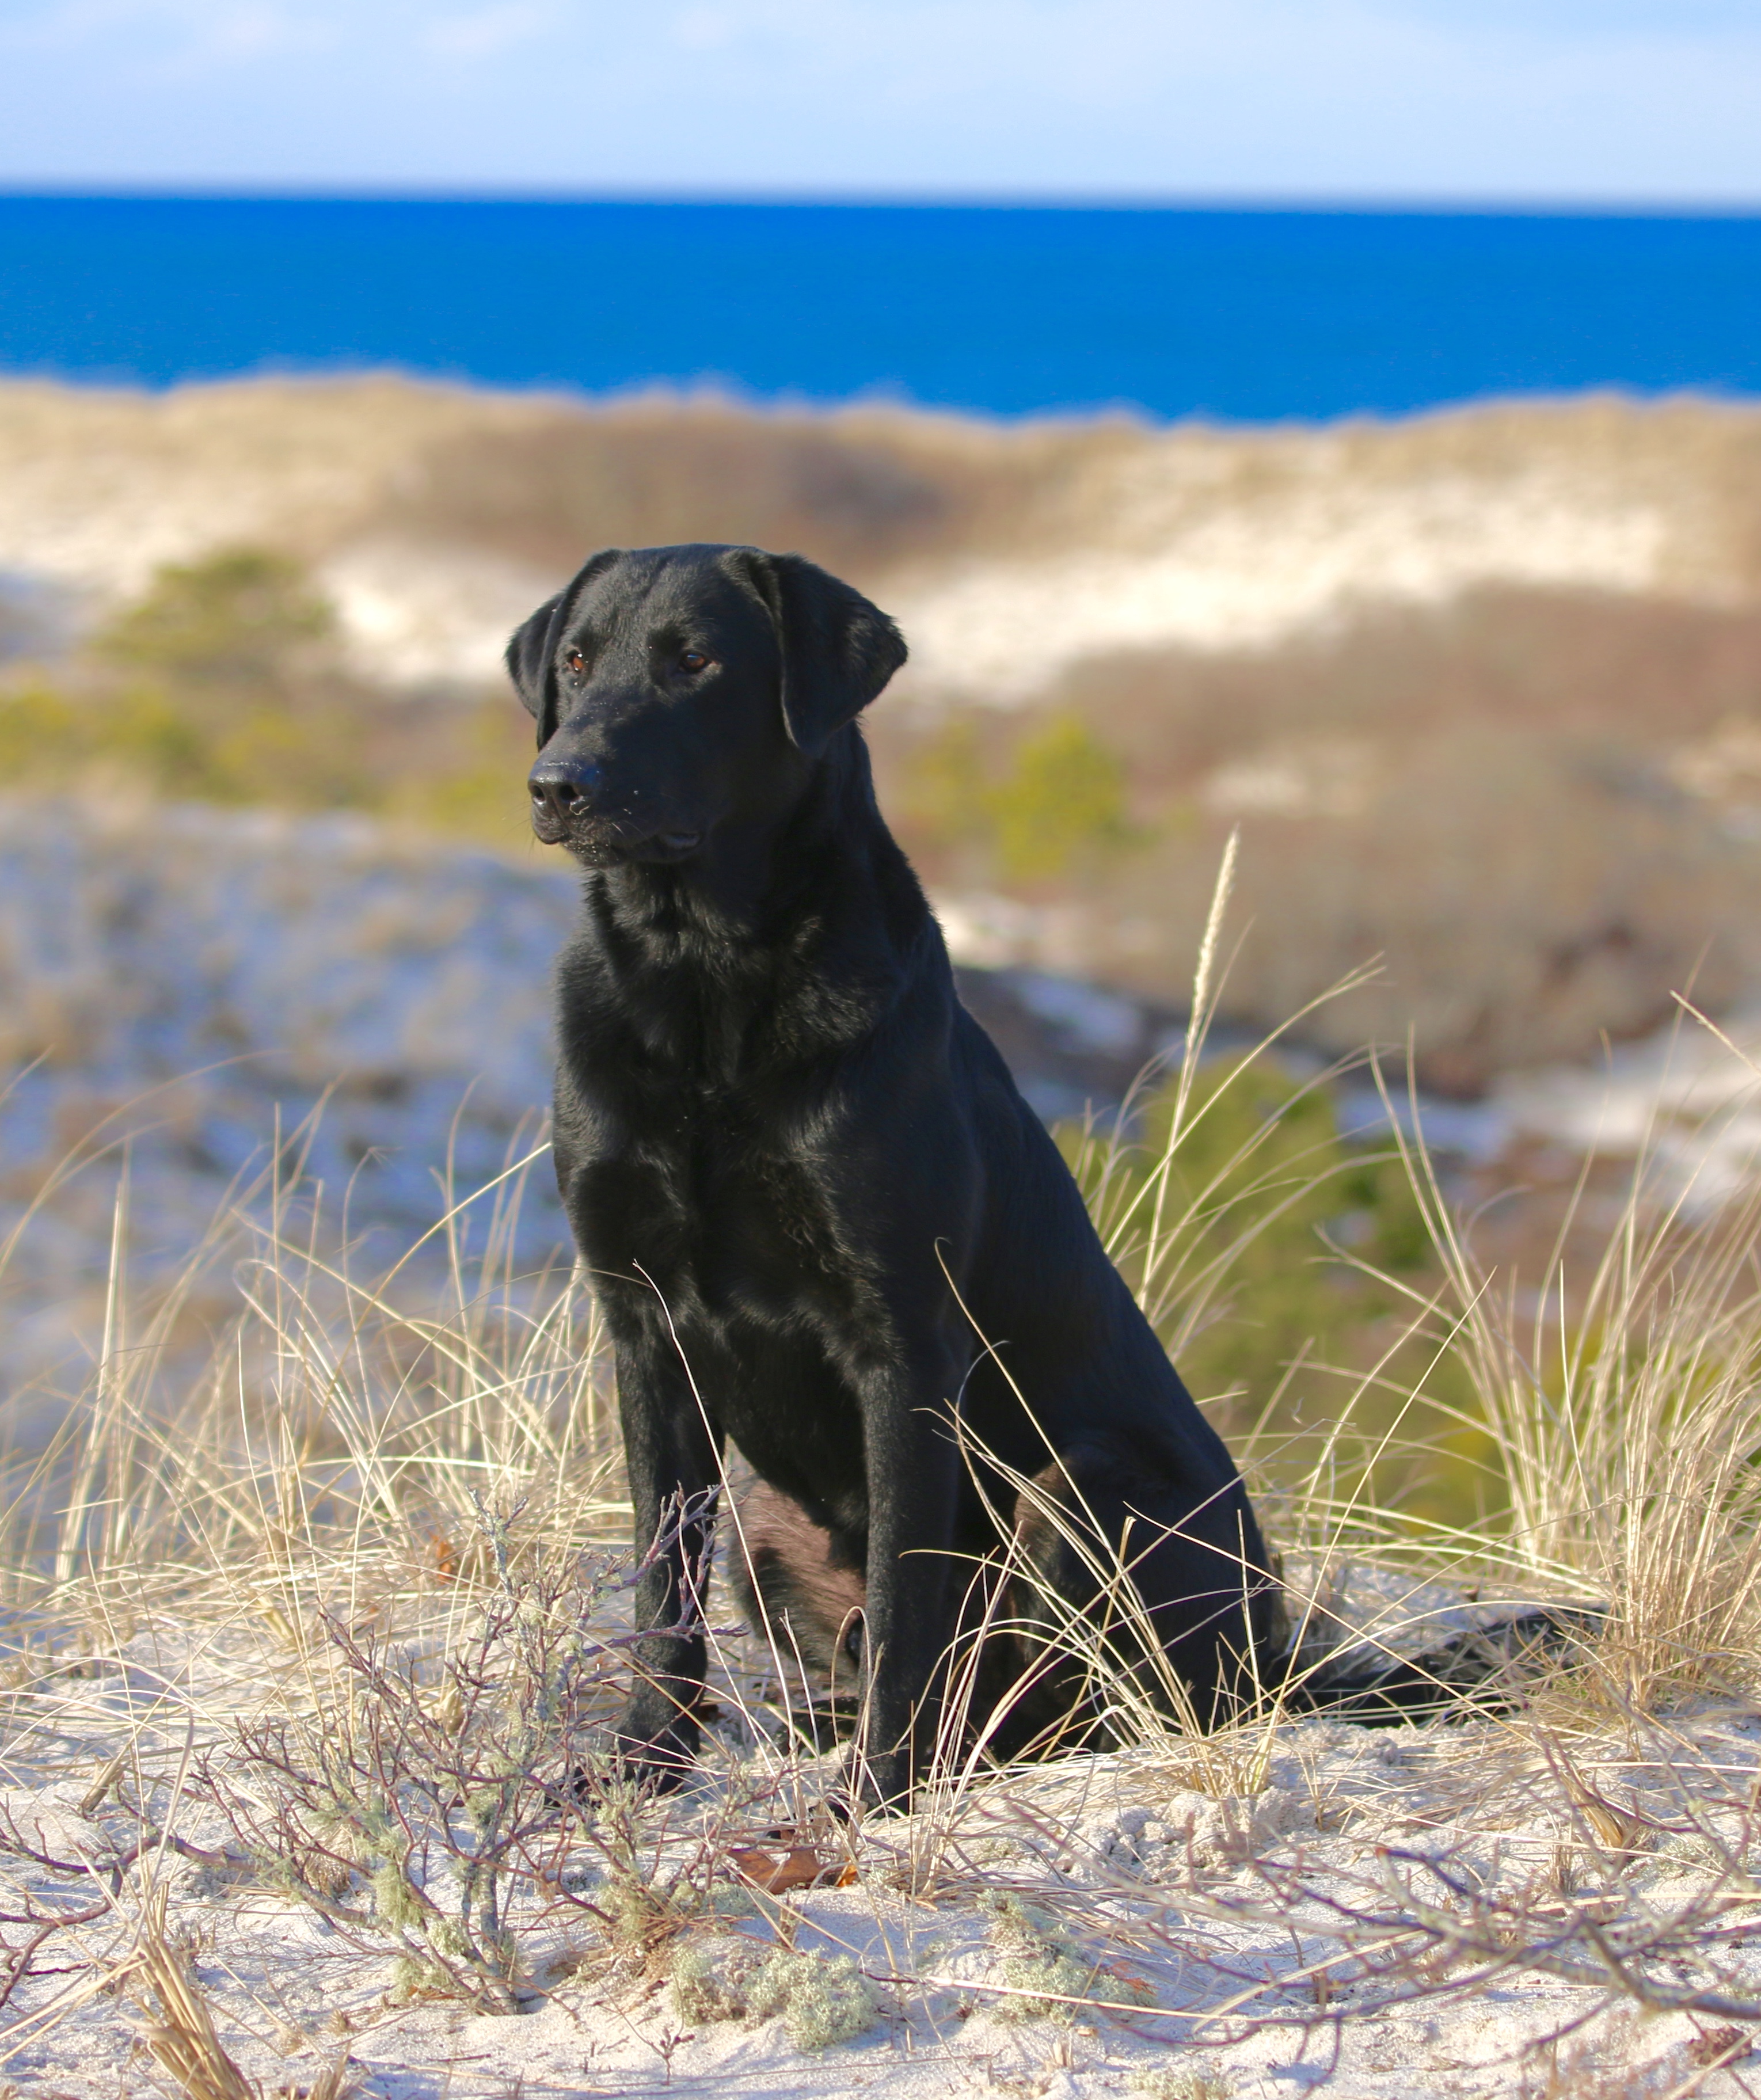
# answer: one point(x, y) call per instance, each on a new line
point(1483, 688)
point(307, 1650)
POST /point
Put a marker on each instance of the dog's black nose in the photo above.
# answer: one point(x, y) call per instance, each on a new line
point(562, 788)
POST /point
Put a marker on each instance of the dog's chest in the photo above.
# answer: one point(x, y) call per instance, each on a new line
point(724, 1217)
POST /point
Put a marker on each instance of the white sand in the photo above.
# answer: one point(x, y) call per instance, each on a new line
point(1195, 1916)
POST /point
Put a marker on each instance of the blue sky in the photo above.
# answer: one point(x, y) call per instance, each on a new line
point(1599, 100)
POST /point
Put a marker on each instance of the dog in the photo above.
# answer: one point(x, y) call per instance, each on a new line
point(821, 1222)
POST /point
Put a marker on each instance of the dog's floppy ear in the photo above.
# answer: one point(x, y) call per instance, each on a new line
point(531, 652)
point(530, 660)
point(838, 650)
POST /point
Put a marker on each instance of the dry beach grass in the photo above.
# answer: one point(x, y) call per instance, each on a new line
point(303, 1652)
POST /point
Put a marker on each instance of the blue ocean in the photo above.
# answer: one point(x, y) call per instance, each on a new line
point(1242, 315)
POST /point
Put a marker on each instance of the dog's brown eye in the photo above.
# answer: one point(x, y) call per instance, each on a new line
point(577, 663)
point(694, 660)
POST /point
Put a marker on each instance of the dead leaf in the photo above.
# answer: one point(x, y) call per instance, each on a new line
point(1717, 2046)
point(1127, 1978)
point(800, 1867)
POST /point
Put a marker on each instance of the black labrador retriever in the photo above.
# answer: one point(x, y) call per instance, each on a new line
point(820, 1218)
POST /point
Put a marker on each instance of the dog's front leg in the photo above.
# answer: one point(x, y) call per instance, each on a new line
point(913, 1465)
point(673, 1462)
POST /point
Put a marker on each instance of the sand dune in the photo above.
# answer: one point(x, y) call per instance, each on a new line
point(1251, 570)
point(1008, 554)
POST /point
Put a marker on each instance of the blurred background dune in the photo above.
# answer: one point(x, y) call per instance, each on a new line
point(1482, 687)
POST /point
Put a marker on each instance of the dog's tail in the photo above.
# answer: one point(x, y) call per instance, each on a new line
point(1479, 1671)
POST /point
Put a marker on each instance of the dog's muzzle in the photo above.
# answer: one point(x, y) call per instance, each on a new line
point(567, 809)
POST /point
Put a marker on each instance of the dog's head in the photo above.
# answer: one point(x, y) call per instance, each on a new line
point(681, 689)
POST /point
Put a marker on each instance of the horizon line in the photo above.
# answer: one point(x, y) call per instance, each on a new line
point(1343, 204)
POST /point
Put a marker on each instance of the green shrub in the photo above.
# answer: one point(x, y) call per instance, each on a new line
point(824, 1999)
point(242, 618)
point(1246, 1266)
point(1040, 1959)
point(41, 731)
point(1061, 803)
point(943, 794)
point(1277, 1261)
point(217, 686)
point(705, 1986)
point(1055, 806)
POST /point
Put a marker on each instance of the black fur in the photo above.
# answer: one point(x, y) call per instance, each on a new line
point(806, 1186)
point(785, 1576)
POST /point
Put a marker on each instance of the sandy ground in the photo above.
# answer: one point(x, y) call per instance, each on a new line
point(1244, 1918)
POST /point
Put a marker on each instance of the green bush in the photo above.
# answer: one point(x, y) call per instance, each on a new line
point(942, 798)
point(40, 731)
point(1280, 1263)
point(242, 618)
point(1056, 805)
point(1061, 803)
point(822, 1999)
point(1052, 1971)
point(218, 686)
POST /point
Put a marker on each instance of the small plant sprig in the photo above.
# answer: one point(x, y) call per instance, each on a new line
point(822, 1999)
point(431, 1812)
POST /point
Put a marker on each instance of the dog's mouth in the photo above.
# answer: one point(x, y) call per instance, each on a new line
point(667, 846)
point(614, 841)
